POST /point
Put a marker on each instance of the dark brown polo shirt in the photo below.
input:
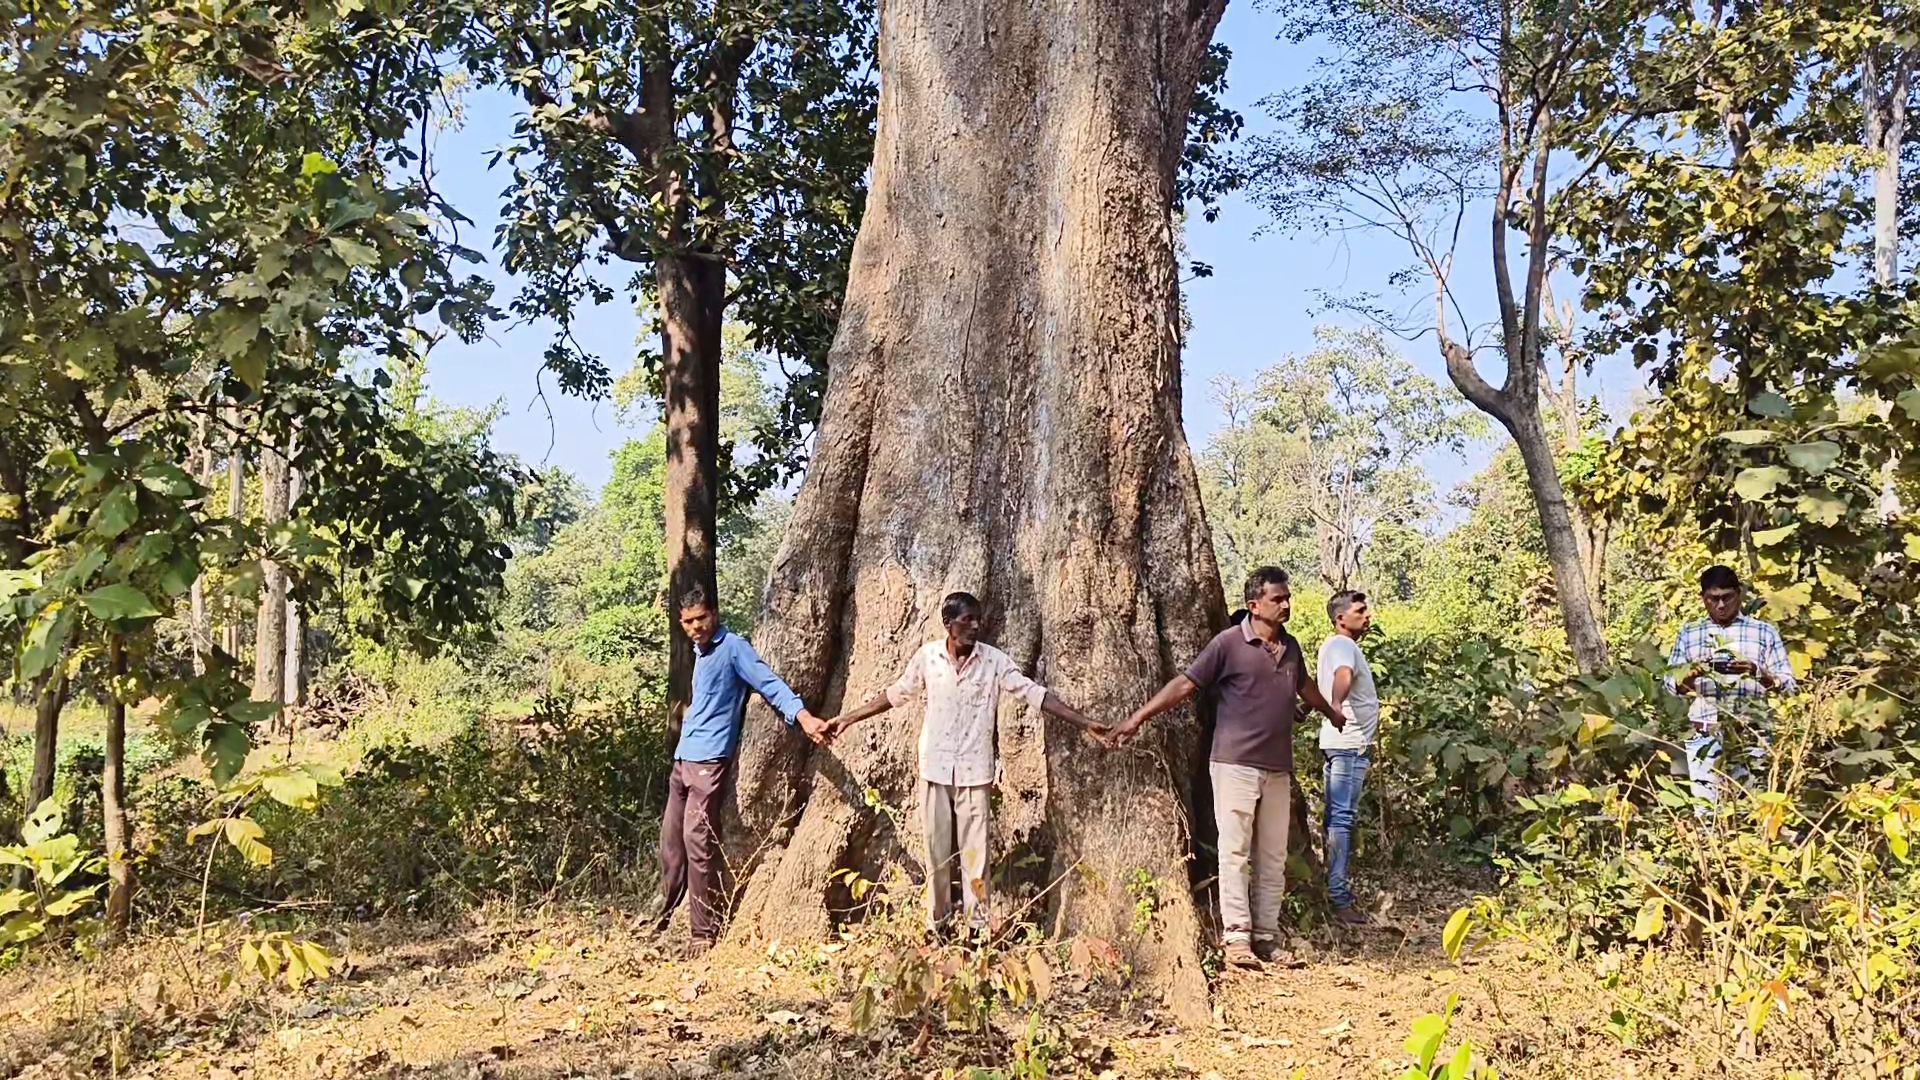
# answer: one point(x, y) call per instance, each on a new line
point(1257, 691)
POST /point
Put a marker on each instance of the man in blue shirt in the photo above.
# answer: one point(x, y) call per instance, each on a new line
point(725, 670)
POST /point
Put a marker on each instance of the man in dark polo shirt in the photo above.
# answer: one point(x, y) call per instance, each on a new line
point(1259, 675)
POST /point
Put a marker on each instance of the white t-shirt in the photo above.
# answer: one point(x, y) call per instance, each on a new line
point(1362, 707)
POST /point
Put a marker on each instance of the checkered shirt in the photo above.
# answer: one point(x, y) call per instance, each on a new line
point(1746, 638)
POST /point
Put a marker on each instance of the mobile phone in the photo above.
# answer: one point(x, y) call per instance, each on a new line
point(1724, 665)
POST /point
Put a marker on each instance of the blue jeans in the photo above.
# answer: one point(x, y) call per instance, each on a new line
point(1346, 770)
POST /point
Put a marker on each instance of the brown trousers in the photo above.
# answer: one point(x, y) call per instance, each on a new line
point(691, 859)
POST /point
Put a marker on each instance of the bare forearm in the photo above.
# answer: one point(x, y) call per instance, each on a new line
point(1053, 706)
point(1310, 692)
point(875, 705)
point(1177, 690)
point(1342, 686)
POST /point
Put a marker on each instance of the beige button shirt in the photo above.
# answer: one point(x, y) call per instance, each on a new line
point(957, 735)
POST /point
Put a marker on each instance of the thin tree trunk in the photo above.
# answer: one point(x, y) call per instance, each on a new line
point(1556, 528)
point(199, 624)
point(692, 292)
point(1003, 416)
point(113, 800)
point(46, 735)
point(236, 507)
point(270, 633)
point(1885, 111)
point(296, 662)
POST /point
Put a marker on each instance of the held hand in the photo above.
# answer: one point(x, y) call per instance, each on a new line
point(816, 729)
point(1125, 733)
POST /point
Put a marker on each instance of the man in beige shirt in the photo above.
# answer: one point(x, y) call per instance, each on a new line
point(962, 679)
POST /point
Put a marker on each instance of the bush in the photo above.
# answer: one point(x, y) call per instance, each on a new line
point(522, 811)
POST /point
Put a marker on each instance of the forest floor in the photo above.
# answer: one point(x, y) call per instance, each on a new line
point(586, 993)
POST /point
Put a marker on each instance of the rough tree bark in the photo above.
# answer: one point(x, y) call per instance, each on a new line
point(113, 799)
point(1003, 416)
point(270, 631)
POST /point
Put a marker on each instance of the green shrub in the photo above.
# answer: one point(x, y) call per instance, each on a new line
point(566, 800)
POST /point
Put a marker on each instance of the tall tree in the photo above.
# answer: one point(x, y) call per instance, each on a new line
point(1427, 113)
point(1003, 416)
point(720, 149)
point(194, 190)
point(1333, 440)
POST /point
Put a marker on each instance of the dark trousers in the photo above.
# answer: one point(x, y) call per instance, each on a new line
point(690, 857)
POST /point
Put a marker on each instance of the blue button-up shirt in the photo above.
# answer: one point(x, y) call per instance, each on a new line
point(723, 673)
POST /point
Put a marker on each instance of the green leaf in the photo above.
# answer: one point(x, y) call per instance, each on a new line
point(69, 902)
point(116, 513)
point(44, 823)
point(1770, 537)
point(1424, 1043)
point(1455, 934)
point(1910, 401)
point(293, 788)
point(227, 747)
point(1749, 436)
point(1768, 403)
point(1823, 507)
point(236, 340)
point(120, 602)
point(353, 252)
point(1758, 482)
point(314, 164)
point(251, 366)
point(1651, 919)
point(46, 640)
point(244, 834)
point(1814, 457)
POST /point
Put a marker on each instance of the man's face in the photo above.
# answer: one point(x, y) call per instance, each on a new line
point(1723, 605)
point(1356, 620)
point(1274, 604)
point(964, 630)
point(700, 623)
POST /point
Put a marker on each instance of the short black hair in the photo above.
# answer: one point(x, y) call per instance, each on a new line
point(957, 604)
point(695, 597)
point(1719, 577)
point(1262, 577)
point(1340, 602)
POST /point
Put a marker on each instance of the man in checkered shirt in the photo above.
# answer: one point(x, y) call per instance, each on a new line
point(1730, 662)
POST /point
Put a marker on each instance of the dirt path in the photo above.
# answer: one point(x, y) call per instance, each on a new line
point(584, 995)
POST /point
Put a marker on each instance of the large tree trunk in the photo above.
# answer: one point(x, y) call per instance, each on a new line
point(113, 799)
point(692, 299)
point(1003, 416)
point(270, 631)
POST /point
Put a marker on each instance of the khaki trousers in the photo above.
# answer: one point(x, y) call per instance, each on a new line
point(957, 822)
point(1252, 808)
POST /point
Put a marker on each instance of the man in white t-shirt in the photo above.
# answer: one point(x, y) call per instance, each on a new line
point(1347, 683)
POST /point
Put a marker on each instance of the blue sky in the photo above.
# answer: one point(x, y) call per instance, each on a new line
point(1259, 304)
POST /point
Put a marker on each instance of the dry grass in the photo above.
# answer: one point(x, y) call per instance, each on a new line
point(587, 993)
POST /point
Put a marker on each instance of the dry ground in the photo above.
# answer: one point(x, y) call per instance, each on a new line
point(586, 994)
